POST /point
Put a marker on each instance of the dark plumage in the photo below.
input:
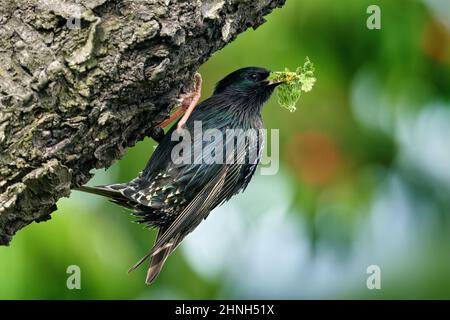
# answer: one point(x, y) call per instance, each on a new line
point(176, 197)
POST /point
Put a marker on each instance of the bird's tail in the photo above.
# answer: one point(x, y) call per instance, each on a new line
point(157, 255)
point(100, 190)
point(114, 192)
point(157, 262)
point(157, 259)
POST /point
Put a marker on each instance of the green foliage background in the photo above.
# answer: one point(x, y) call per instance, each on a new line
point(364, 177)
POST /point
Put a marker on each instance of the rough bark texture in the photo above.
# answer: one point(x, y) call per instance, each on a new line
point(80, 81)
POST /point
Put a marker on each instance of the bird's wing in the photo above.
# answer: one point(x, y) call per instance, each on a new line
point(168, 238)
point(194, 212)
point(230, 179)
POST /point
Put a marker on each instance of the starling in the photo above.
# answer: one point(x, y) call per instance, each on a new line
point(175, 196)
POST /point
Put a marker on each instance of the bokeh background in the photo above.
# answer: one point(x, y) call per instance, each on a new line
point(364, 177)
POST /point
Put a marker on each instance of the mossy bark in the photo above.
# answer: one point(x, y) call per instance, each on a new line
point(80, 81)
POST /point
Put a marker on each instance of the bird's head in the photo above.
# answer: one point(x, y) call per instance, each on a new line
point(250, 83)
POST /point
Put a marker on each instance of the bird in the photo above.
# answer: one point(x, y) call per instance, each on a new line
point(175, 197)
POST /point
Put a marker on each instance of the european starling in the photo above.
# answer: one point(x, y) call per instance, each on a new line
point(175, 197)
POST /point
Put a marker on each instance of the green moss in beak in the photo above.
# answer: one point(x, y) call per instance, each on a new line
point(293, 83)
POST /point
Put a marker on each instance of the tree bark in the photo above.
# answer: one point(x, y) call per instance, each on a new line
point(80, 81)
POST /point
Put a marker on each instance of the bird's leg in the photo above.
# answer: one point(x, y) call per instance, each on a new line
point(188, 102)
point(187, 105)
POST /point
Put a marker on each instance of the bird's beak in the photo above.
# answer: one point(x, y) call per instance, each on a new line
point(280, 80)
point(274, 83)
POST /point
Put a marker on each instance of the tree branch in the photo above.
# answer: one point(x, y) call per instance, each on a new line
point(81, 82)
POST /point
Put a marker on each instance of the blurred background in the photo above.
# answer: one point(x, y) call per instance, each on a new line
point(364, 177)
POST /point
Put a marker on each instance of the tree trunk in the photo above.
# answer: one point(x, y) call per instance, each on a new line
point(80, 81)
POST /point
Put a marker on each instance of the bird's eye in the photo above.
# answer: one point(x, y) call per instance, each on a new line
point(254, 76)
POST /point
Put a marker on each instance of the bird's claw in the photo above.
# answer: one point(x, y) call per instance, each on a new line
point(188, 101)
